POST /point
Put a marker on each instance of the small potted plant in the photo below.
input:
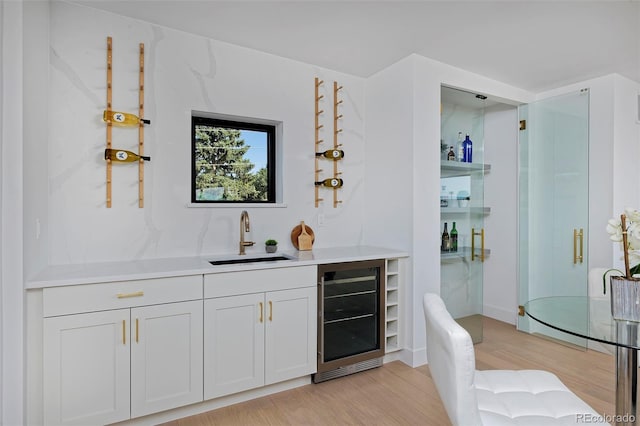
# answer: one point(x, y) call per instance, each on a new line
point(271, 246)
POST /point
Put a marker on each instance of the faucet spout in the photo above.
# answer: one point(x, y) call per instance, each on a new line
point(245, 226)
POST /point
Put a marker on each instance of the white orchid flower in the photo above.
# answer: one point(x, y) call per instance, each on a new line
point(634, 257)
point(633, 235)
point(632, 214)
point(614, 229)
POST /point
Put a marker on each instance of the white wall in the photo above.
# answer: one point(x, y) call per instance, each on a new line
point(183, 72)
point(501, 192)
point(11, 198)
point(411, 218)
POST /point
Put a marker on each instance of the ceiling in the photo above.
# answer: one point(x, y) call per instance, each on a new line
point(533, 45)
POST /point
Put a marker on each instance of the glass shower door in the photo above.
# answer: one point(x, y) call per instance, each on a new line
point(553, 202)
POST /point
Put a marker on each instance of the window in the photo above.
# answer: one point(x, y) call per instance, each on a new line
point(232, 161)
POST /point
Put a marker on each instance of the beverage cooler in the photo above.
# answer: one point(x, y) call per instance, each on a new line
point(350, 318)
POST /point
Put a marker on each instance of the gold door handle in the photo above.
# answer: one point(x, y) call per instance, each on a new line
point(473, 244)
point(127, 295)
point(578, 235)
point(261, 312)
point(124, 332)
point(270, 311)
point(137, 331)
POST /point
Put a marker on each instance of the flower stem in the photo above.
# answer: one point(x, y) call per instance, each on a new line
point(625, 246)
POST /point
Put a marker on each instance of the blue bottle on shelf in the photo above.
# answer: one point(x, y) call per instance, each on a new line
point(467, 150)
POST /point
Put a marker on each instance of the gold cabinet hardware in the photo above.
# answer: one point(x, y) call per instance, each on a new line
point(473, 244)
point(137, 330)
point(127, 295)
point(523, 125)
point(261, 312)
point(124, 332)
point(578, 256)
point(270, 310)
point(520, 310)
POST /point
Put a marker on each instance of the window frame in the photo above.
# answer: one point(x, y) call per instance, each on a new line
point(239, 123)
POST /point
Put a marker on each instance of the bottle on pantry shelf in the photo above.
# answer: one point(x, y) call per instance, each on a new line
point(453, 238)
point(451, 156)
point(460, 147)
point(467, 146)
point(446, 243)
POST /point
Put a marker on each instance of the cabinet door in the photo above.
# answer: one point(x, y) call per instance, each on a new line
point(290, 342)
point(166, 356)
point(233, 344)
point(86, 368)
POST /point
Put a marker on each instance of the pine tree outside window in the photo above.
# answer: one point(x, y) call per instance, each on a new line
point(232, 161)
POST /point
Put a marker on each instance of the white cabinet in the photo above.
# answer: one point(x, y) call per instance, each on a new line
point(234, 344)
point(86, 367)
point(261, 337)
point(108, 366)
point(166, 356)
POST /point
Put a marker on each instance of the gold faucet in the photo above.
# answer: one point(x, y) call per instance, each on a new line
point(244, 227)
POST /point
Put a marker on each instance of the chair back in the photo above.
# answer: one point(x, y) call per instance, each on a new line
point(452, 362)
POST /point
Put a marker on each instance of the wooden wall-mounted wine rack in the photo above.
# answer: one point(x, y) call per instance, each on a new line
point(318, 141)
point(336, 145)
point(140, 126)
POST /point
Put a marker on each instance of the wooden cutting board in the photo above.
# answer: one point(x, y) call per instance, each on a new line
point(297, 231)
point(304, 239)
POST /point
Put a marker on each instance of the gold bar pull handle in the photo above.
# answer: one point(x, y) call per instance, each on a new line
point(270, 310)
point(261, 319)
point(581, 235)
point(137, 330)
point(473, 244)
point(578, 235)
point(124, 332)
point(127, 295)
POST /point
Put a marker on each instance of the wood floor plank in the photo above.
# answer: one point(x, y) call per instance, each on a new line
point(396, 394)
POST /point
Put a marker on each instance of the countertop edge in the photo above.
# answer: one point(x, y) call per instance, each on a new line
point(102, 272)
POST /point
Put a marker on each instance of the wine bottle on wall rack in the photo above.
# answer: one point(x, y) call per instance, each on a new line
point(123, 119)
point(331, 154)
point(330, 183)
point(123, 156)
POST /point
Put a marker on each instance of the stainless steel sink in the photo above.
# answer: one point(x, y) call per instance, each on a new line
point(249, 260)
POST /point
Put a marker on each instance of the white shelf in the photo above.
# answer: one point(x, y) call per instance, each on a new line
point(392, 308)
point(462, 253)
point(455, 168)
point(465, 210)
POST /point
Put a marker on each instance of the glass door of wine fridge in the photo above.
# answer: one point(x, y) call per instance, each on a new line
point(350, 318)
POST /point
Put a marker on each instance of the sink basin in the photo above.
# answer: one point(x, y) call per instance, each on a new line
point(249, 260)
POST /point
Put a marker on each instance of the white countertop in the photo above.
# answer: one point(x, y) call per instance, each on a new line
point(88, 273)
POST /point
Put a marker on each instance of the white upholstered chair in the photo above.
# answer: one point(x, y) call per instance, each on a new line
point(493, 397)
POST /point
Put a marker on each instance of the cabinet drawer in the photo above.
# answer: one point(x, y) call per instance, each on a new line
point(120, 294)
point(259, 280)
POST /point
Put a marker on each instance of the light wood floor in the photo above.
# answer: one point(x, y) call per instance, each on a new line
point(396, 394)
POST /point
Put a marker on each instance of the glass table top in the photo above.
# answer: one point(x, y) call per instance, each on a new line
point(584, 317)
